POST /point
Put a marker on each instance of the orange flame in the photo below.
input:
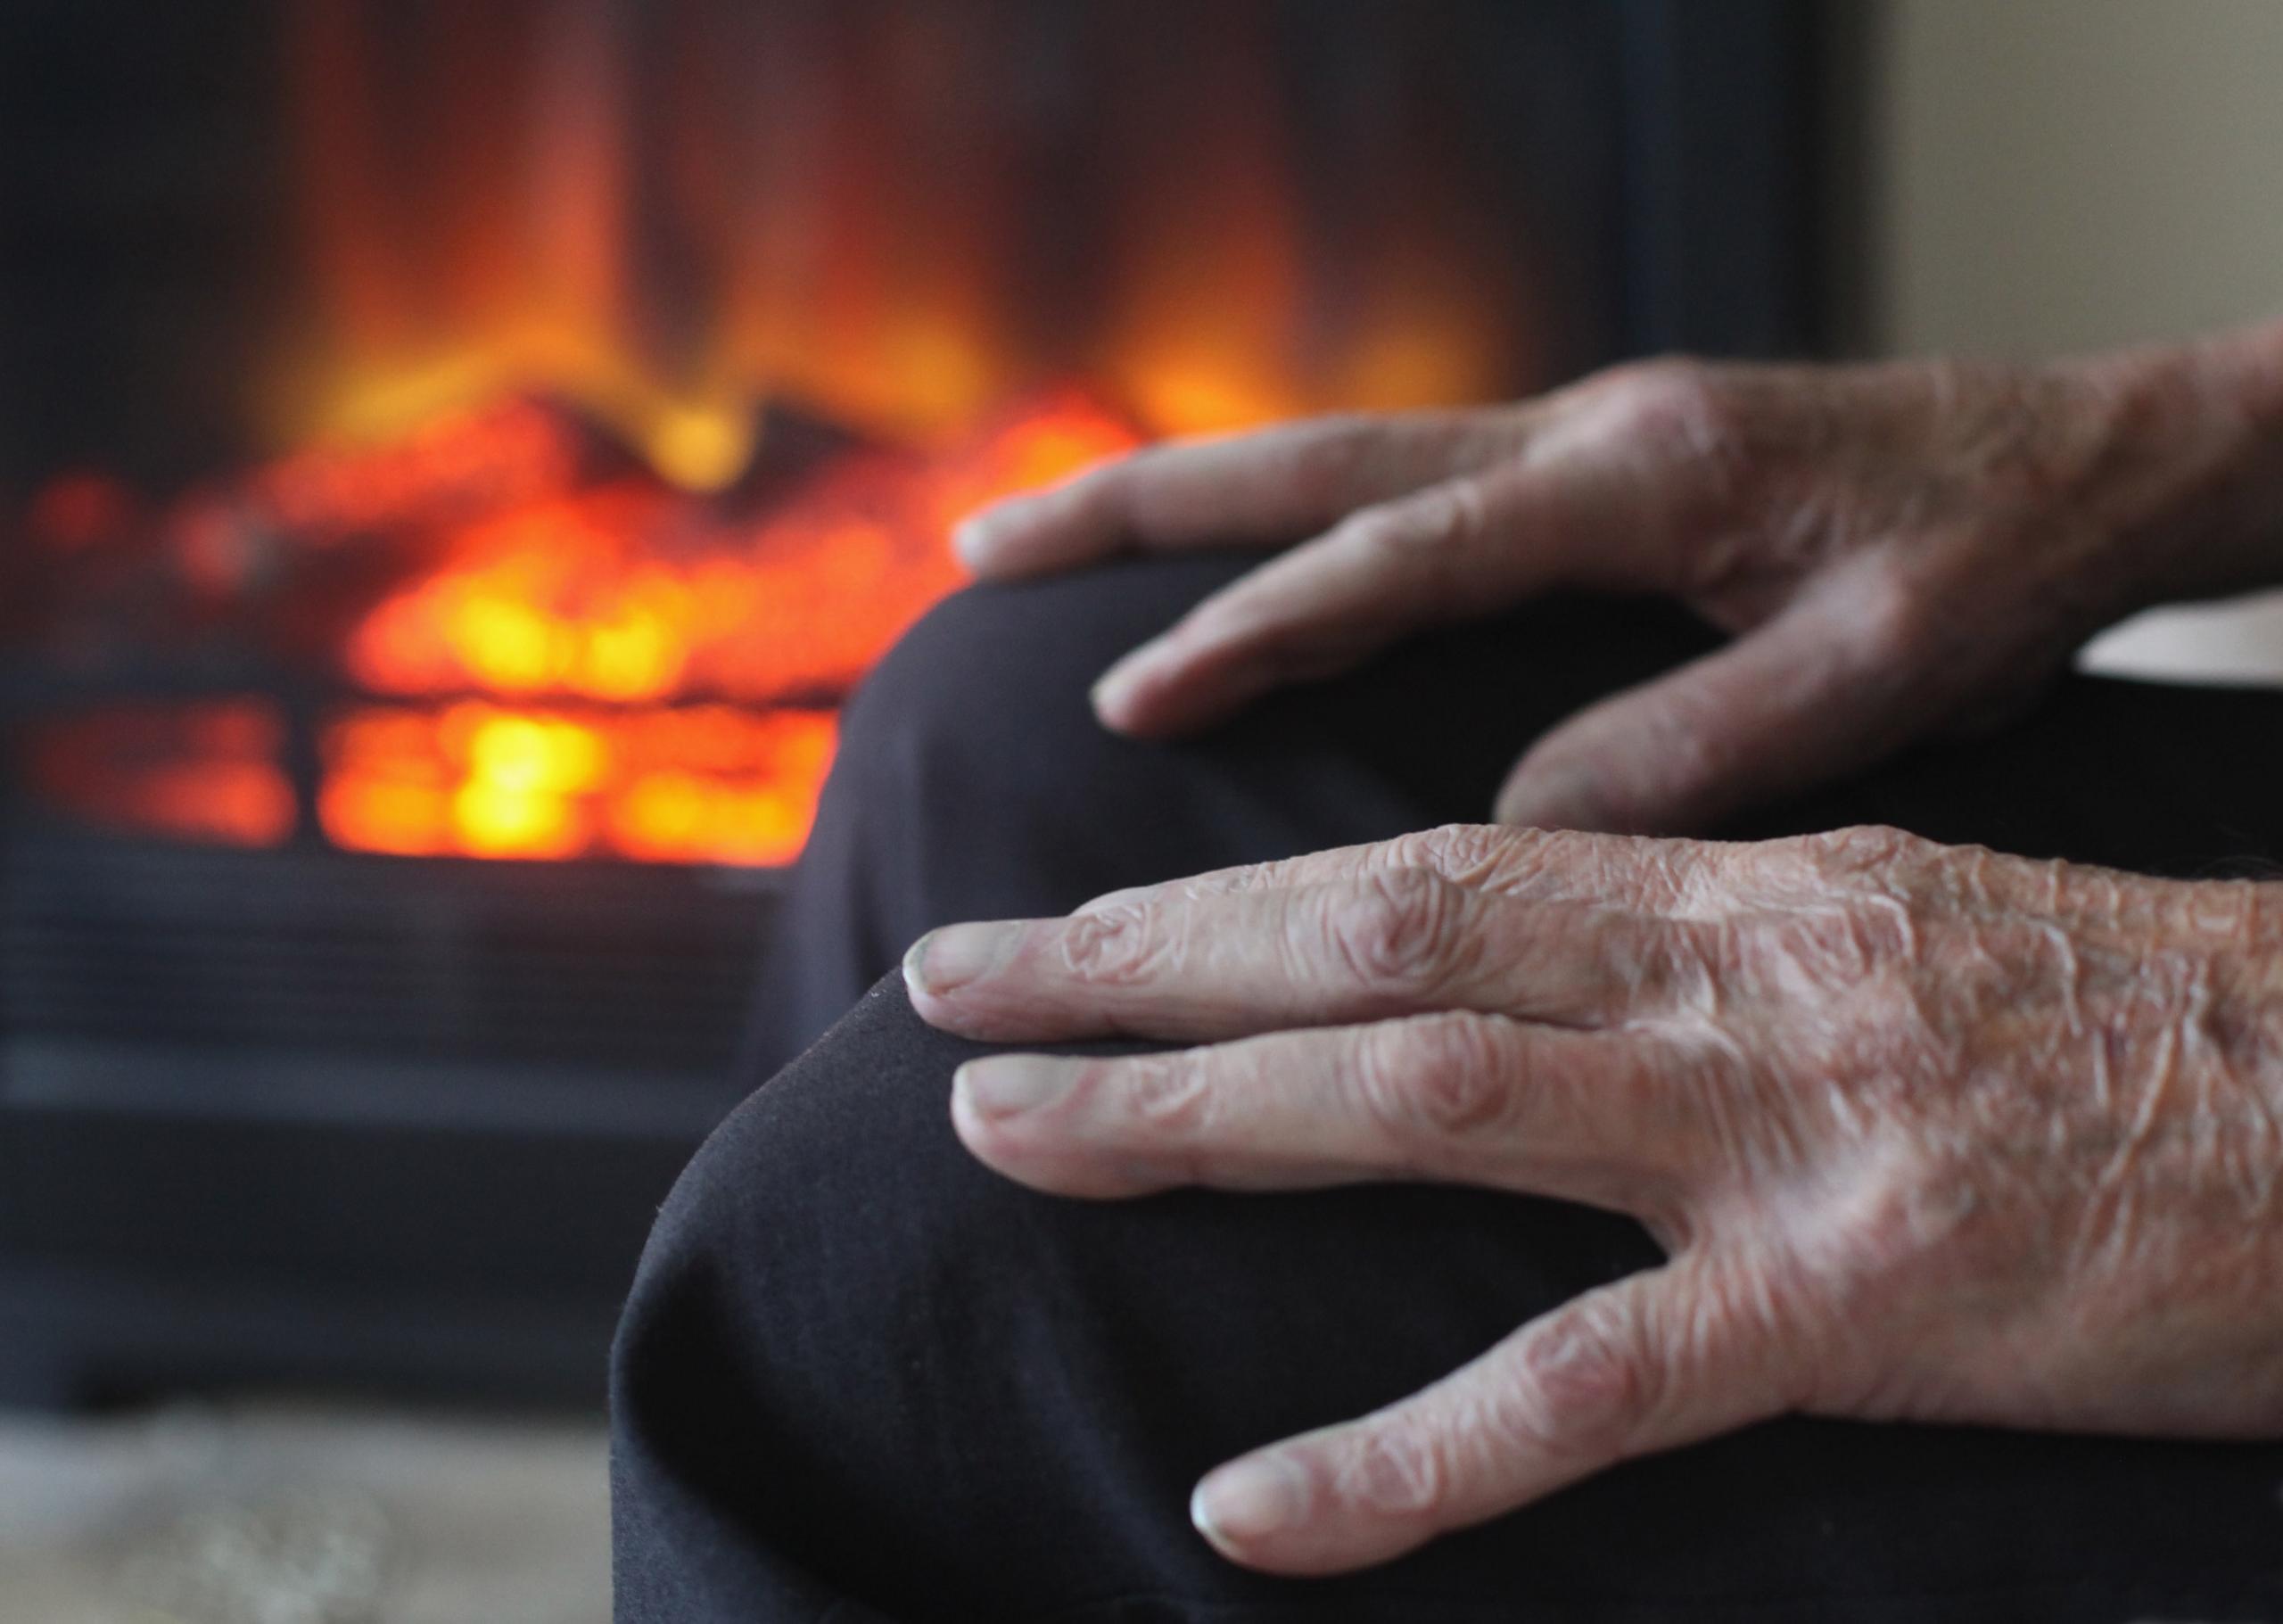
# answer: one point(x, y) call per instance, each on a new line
point(612, 596)
point(705, 783)
point(207, 771)
point(529, 379)
point(835, 214)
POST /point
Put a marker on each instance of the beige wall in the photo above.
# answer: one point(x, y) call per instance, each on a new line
point(2054, 175)
point(2063, 173)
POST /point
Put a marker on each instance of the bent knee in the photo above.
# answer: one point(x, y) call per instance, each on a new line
point(997, 674)
point(838, 1325)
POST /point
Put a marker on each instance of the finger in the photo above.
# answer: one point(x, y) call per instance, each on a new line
point(1672, 878)
point(1656, 1361)
point(1399, 942)
point(1560, 514)
point(1272, 485)
point(1452, 551)
point(1807, 696)
point(1325, 606)
point(1599, 1118)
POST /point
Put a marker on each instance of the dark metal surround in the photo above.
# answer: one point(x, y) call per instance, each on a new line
point(299, 1116)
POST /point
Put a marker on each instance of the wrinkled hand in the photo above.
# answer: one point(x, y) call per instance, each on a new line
point(1925, 1132)
point(1904, 547)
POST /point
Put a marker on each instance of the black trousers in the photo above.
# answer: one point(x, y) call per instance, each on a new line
point(862, 1378)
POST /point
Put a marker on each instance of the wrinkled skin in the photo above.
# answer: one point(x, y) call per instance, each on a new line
point(1926, 1132)
point(1902, 548)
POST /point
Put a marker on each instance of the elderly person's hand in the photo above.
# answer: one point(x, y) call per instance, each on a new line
point(1904, 547)
point(1926, 1132)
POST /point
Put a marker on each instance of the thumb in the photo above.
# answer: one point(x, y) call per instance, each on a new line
point(1803, 698)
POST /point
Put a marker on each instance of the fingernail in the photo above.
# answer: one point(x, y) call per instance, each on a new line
point(1008, 1085)
point(1563, 800)
point(971, 540)
point(947, 959)
point(1246, 1500)
point(1108, 697)
point(1117, 688)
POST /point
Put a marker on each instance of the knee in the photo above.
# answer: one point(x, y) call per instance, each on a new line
point(835, 1180)
point(988, 692)
point(801, 1320)
point(844, 1323)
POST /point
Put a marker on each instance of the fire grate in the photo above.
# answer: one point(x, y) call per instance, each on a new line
point(588, 966)
point(300, 1115)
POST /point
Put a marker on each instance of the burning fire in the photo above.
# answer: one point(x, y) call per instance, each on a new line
point(705, 783)
point(672, 213)
point(583, 593)
point(701, 651)
point(204, 772)
point(580, 660)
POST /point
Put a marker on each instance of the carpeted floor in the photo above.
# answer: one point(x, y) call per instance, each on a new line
point(281, 1514)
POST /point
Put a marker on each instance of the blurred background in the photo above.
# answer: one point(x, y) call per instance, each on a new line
point(455, 460)
point(2047, 177)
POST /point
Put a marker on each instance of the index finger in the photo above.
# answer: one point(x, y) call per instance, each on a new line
point(1274, 485)
point(1401, 941)
point(1650, 874)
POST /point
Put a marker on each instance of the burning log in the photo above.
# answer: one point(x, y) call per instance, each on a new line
point(542, 649)
point(284, 557)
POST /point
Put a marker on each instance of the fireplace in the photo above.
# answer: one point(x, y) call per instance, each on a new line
point(455, 460)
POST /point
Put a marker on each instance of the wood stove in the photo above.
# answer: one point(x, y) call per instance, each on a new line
point(454, 461)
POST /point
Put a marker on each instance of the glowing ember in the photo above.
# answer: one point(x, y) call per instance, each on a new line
point(705, 783)
point(455, 466)
point(80, 511)
point(621, 595)
point(205, 771)
point(571, 657)
point(558, 596)
point(613, 594)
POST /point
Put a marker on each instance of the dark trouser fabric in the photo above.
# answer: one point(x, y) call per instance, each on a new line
point(863, 1378)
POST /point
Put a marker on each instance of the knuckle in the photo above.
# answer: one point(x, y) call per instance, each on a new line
point(1246, 879)
point(1863, 847)
point(1400, 928)
point(1396, 1469)
point(1117, 946)
point(1815, 870)
point(1889, 620)
point(1434, 1077)
point(1819, 935)
point(1815, 952)
point(1590, 1387)
point(1466, 853)
point(1319, 459)
point(1651, 375)
point(1323, 455)
point(1434, 521)
point(1377, 529)
point(1676, 400)
point(1167, 1096)
point(1689, 962)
